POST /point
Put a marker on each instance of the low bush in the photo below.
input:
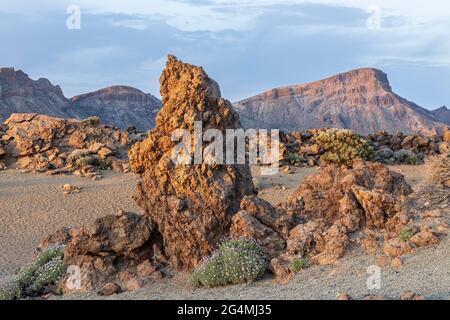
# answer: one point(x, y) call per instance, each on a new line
point(406, 157)
point(235, 261)
point(46, 270)
point(299, 264)
point(342, 146)
point(90, 121)
point(10, 290)
point(406, 234)
point(294, 158)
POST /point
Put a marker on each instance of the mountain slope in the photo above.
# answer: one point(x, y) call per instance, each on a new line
point(120, 105)
point(442, 114)
point(19, 94)
point(360, 99)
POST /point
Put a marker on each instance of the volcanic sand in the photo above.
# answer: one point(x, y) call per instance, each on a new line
point(33, 205)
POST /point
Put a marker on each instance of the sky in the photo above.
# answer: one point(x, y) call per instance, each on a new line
point(247, 46)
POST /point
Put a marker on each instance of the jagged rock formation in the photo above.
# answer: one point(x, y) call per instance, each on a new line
point(119, 105)
point(442, 114)
point(20, 94)
point(45, 144)
point(191, 205)
point(361, 100)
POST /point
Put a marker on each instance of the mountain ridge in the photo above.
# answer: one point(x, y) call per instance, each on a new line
point(360, 99)
point(118, 105)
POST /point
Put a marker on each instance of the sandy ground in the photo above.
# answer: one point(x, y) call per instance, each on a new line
point(32, 205)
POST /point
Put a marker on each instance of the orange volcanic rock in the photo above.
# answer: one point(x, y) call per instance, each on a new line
point(192, 205)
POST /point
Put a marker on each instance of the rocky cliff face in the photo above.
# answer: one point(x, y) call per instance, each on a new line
point(442, 114)
point(361, 100)
point(20, 94)
point(119, 105)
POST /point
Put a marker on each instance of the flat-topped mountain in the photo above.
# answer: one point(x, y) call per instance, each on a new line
point(121, 106)
point(361, 100)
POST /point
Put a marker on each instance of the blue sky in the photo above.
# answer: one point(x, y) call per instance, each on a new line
point(248, 46)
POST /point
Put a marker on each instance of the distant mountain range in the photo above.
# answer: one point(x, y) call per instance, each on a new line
point(360, 99)
point(120, 106)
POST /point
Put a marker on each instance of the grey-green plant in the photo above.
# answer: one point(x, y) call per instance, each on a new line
point(299, 264)
point(235, 261)
point(342, 146)
point(406, 234)
point(46, 270)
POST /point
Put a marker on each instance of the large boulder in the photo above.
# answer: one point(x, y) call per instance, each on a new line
point(111, 250)
point(191, 204)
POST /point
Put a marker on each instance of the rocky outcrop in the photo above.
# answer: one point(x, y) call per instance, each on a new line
point(121, 106)
point(337, 203)
point(45, 144)
point(191, 205)
point(361, 100)
point(115, 249)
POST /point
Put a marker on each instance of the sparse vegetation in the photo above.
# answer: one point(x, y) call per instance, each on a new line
point(9, 290)
point(299, 264)
point(294, 158)
point(406, 157)
point(235, 261)
point(90, 122)
point(342, 146)
point(406, 234)
point(84, 161)
point(46, 270)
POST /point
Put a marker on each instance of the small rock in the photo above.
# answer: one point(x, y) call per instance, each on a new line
point(409, 295)
point(396, 263)
point(145, 268)
point(134, 284)
point(69, 189)
point(157, 275)
point(343, 296)
point(109, 289)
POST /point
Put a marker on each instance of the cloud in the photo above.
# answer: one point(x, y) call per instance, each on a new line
point(247, 45)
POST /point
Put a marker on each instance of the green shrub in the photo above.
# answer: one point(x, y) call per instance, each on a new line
point(293, 158)
point(84, 161)
point(90, 121)
point(77, 154)
point(44, 271)
point(48, 275)
point(10, 290)
point(235, 261)
point(299, 264)
point(406, 157)
point(406, 234)
point(342, 146)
